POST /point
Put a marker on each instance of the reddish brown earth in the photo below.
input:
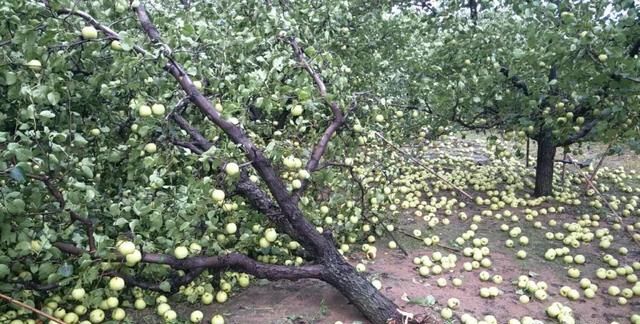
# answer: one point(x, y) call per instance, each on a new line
point(310, 301)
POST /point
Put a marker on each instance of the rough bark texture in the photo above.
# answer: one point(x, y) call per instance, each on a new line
point(369, 301)
point(544, 166)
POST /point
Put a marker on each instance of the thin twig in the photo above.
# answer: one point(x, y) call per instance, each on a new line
point(437, 244)
point(590, 183)
point(418, 162)
point(395, 240)
point(28, 307)
point(595, 170)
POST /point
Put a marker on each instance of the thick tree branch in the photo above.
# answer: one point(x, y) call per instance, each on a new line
point(516, 82)
point(175, 282)
point(307, 234)
point(338, 117)
point(228, 262)
point(190, 146)
point(582, 133)
point(263, 203)
point(255, 196)
point(635, 48)
point(302, 59)
point(202, 142)
point(473, 8)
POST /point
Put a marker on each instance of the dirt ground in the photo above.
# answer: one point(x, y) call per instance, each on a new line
point(312, 301)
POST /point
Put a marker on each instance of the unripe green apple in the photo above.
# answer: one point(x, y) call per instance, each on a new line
point(140, 304)
point(112, 302)
point(116, 284)
point(34, 65)
point(118, 314)
point(207, 298)
point(78, 293)
point(221, 297)
point(89, 32)
point(231, 169)
point(196, 316)
point(70, 318)
point(126, 247)
point(80, 310)
point(217, 195)
point(270, 235)
point(243, 280)
point(150, 148)
point(446, 313)
point(170, 315)
point(96, 316)
point(297, 110)
point(116, 45)
point(217, 319)
point(158, 109)
point(162, 308)
point(144, 111)
point(180, 252)
point(231, 228)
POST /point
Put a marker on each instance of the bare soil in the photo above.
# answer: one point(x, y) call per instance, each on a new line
point(312, 301)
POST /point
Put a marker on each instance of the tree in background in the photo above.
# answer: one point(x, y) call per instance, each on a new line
point(560, 74)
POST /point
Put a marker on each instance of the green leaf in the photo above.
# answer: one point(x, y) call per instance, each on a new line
point(66, 270)
point(16, 206)
point(4, 270)
point(423, 301)
point(17, 174)
point(10, 78)
point(53, 98)
point(165, 286)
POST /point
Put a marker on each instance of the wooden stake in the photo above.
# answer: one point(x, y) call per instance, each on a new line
point(564, 166)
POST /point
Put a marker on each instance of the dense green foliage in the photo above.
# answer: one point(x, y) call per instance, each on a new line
point(73, 111)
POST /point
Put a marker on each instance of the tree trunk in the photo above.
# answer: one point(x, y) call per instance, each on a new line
point(544, 167)
point(526, 159)
point(359, 291)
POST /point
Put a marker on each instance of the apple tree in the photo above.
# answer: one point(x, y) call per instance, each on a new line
point(154, 145)
point(559, 73)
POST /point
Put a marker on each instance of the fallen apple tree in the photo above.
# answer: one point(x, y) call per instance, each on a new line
point(279, 205)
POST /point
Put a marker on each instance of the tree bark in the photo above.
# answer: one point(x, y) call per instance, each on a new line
point(359, 291)
point(544, 167)
point(526, 159)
